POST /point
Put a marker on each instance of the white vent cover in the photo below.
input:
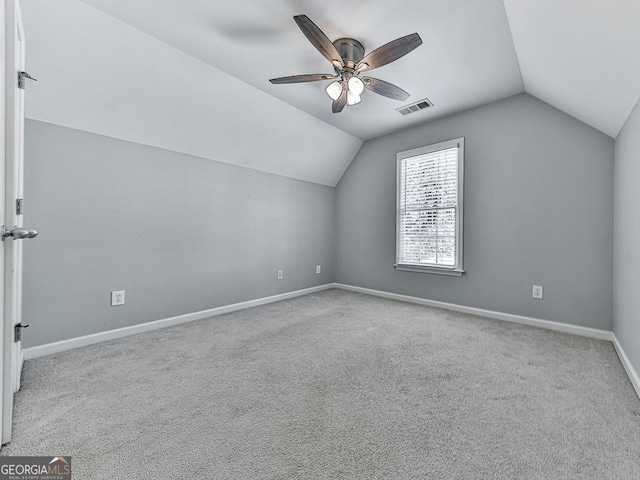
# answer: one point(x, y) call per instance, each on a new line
point(415, 107)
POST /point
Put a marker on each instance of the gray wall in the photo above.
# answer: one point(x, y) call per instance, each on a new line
point(538, 210)
point(626, 324)
point(180, 234)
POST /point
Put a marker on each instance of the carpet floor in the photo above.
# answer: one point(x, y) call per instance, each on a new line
point(335, 385)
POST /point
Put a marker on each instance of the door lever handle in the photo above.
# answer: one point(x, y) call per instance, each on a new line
point(17, 330)
point(22, 76)
point(18, 232)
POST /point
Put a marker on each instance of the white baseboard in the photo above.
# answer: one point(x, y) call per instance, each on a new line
point(64, 345)
point(634, 377)
point(534, 322)
point(626, 363)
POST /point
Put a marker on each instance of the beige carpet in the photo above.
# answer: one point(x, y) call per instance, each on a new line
point(335, 385)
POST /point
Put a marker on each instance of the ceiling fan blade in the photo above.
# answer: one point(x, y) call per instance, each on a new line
point(314, 77)
point(319, 40)
point(389, 52)
point(385, 89)
point(339, 104)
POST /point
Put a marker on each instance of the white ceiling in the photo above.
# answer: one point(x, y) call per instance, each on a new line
point(98, 74)
point(581, 56)
point(467, 57)
point(192, 75)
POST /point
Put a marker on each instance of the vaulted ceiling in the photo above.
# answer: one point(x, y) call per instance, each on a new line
point(192, 75)
point(581, 56)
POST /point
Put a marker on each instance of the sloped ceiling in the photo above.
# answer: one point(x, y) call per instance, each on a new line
point(467, 58)
point(581, 56)
point(98, 74)
point(192, 75)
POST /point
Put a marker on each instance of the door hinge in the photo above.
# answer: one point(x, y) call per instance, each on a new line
point(19, 206)
point(18, 331)
point(22, 76)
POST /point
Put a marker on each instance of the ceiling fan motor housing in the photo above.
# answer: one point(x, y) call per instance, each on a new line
point(350, 50)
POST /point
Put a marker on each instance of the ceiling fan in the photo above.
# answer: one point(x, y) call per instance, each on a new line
point(349, 61)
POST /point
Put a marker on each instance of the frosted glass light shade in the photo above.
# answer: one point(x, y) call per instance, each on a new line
point(356, 86)
point(334, 90)
point(352, 98)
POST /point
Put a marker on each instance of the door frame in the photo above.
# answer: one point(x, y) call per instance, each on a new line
point(3, 69)
point(11, 183)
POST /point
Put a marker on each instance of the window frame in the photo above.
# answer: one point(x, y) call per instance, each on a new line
point(458, 268)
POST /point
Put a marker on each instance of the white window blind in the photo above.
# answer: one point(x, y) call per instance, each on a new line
point(429, 206)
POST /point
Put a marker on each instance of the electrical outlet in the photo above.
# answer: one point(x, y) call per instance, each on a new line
point(537, 292)
point(117, 298)
point(318, 268)
point(280, 274)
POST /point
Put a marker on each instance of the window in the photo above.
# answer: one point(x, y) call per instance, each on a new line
point(429, 208)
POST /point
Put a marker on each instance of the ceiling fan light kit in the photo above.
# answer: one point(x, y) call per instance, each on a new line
point(353, 99)
point(355, 87)
point(334, 89)
point(348, 58)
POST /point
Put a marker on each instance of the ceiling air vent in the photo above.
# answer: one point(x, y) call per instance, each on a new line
point(415, 107)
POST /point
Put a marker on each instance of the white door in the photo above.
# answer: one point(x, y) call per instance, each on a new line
point(10, 212)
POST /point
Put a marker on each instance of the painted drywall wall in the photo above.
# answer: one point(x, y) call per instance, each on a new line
point(626, 265)
point(538, 210)
point(178, 233)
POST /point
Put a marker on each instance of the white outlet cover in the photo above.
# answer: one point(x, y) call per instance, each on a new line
point(318, 268)
point(117, 298)
point(537, 291)
point(280, 274)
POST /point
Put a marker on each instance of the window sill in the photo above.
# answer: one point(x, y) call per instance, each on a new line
point(424, 269)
